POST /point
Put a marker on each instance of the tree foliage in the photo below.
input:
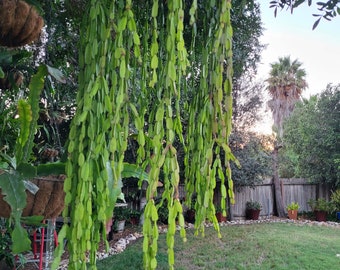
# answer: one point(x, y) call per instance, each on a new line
point(329, 9)
point(254, 154)
point(312, 133)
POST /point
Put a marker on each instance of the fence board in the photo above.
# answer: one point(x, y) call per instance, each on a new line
point(294, 190)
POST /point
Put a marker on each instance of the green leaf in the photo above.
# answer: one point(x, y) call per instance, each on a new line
point(29, 119)
point(13, 189)
point(132, 170)
point(56, 168)
point(9, 161)
point(5, 57)
point(154, 11)
point(154, 62)
point(20, 240)
point(122, 24)
point(56, 73)
point(115, 189)
point(27, 170)
point(2, 74)
point(33, 221)
point(25, 118)
point(122, 68)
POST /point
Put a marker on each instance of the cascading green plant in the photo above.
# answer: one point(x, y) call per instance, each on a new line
point(134, 70)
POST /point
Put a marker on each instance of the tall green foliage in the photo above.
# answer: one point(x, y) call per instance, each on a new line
point(312, 133)
point(120, 57)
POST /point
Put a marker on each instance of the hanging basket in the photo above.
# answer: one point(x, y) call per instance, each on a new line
point(47, 202)
point(20, 24)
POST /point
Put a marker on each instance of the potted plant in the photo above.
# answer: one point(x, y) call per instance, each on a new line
point(293, 210)
point(253, 209)
point(320, 207)
point(335, 200)
point(190, 215)
point(134, 216)
point(219, 215)
point(121, 214)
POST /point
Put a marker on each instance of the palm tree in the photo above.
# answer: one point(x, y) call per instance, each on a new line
point(285, 85)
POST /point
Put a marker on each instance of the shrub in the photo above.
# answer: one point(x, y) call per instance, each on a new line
point(320, 205)
point(253, 205)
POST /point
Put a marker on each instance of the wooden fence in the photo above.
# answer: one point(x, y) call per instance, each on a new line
point(293, 190)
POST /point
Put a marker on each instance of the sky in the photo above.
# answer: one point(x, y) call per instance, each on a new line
point(291, 35)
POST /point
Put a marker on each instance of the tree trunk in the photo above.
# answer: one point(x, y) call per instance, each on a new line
point(230, 213)
point(277, 184)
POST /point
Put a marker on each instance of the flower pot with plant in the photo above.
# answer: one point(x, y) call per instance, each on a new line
point(293, 210)
point(134, 216)
point(121, 214)
point(320, 208)
point(253, 209)
point(219, 215)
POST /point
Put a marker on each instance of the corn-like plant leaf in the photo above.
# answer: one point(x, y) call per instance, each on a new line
point(28, 120)
point(25, 119)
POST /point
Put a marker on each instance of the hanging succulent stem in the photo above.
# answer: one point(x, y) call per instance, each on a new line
point(99, 130)
point(210, 119)
point(113, 59)
point(165, 125)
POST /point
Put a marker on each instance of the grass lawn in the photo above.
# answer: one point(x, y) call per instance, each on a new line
point(257, 246)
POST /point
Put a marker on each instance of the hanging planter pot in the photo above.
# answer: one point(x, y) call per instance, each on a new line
point(20, 24)
point(47, 202)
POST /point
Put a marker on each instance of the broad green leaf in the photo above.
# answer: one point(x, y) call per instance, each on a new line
point(20, 240)
point(13, 189)
point(33, 221)
point(132, 170)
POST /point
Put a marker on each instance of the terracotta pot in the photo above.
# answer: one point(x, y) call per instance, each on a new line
point(134, 220)
point(292, 214)
point(220, 217)
point(190, 216)
point(320, 215)
point(252, 214)
point(47, 202)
